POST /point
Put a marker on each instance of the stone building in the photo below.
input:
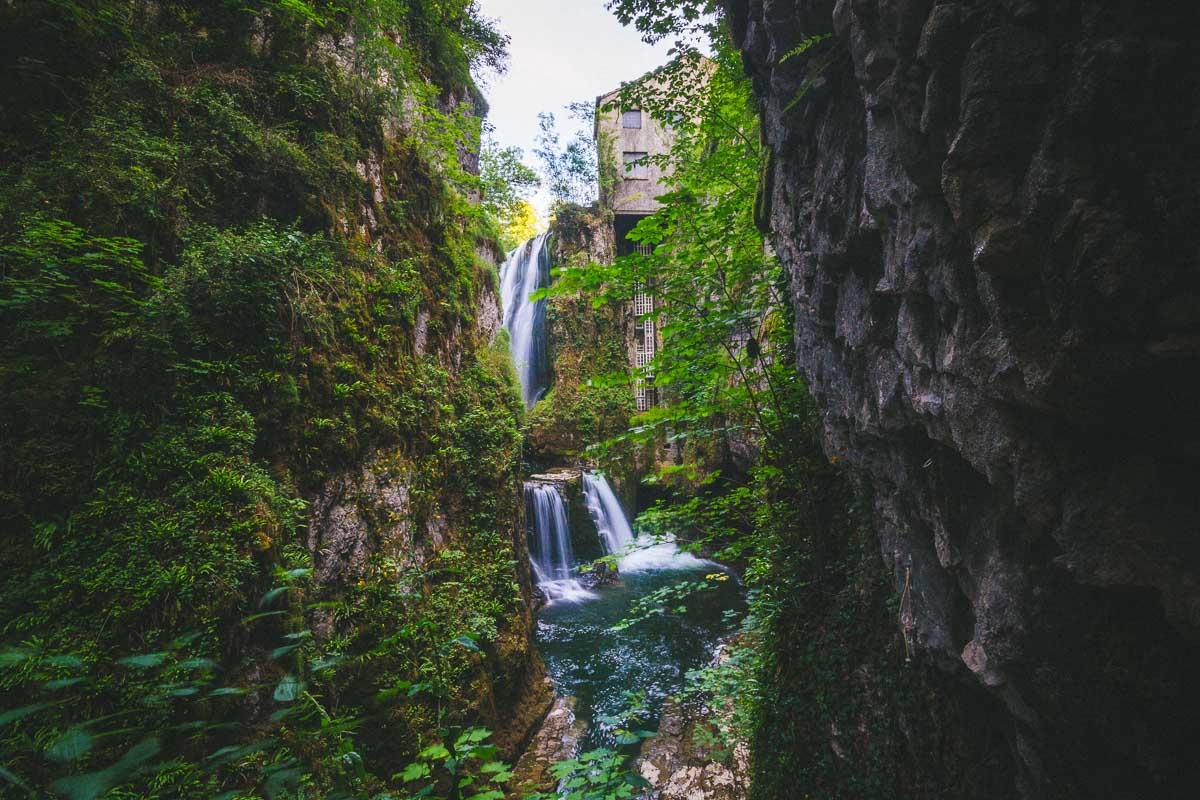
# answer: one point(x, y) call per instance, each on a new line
point(627, 139)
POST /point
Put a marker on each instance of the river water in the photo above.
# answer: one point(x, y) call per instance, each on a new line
point(601, 666)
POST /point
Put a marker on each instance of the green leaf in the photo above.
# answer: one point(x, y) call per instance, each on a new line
point(144, 661)
point(198, 663)
point(472, 735)
point(94, 784)
point(435, 752)
point(270, 596)
point(14, 780)
point(13, 655)
point(23, 711)
point(467, 642)
point(415, 771)
point(292, 574)
point(73, 744)
point(327, 662)
point(65, 661)
point(288, 689)
point(283, 651)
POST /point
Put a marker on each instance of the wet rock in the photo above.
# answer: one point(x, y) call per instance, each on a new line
point(557, 739)
point(687, 760)
point(987, 210)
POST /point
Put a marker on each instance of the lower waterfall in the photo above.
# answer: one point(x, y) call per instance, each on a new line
point(550, 544)
point(606, 511)
point(634, 553)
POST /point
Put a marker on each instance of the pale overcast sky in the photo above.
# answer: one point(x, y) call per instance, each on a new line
point(561, 51)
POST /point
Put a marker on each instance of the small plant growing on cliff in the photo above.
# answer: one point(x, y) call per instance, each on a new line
point(462, 768)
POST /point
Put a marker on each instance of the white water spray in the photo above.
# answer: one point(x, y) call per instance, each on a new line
point(634, 553)
point(526, 270)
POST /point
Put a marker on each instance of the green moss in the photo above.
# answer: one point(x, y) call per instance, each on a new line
point(206, 313)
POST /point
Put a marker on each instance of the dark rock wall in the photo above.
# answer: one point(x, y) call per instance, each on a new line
point(988, 210)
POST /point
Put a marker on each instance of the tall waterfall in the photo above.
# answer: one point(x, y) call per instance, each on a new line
point(526, 270)
point(634, 553)
point(550, 545)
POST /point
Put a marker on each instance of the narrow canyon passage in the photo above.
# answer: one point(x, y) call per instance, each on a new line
point(601, 653)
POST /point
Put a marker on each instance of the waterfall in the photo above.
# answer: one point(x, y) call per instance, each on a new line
point(634, 553)
point(550, 544)
point(526, 270)
point(607, 513)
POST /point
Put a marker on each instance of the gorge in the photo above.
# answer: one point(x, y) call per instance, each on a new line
point(817, 421)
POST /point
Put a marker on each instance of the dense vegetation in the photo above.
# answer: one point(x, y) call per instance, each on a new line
point(238, 261)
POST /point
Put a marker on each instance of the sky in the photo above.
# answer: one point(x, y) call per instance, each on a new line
point(562, 51)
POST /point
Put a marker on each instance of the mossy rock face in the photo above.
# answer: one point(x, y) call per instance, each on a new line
point(245, 332)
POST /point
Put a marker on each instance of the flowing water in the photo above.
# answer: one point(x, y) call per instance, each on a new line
point(550, 545)
point(526, 270)
point(599, 665)
point(585, 656)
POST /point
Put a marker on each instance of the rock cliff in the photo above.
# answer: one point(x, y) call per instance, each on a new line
point(987, 213)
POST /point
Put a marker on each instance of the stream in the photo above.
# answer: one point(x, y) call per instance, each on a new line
point(600, 666)
point(587, 659)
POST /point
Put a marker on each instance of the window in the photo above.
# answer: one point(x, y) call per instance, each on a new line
point(631, 119)
point(636, 167)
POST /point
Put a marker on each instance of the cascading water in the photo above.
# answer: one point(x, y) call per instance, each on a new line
point(526, 270)
point(550, 545)
point(633, 553)
point(607, 513)
point(594, 657)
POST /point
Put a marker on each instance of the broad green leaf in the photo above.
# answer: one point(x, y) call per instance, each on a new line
point(23, 711)
point(288, 689)
point(415, 771)
point(74, 743)
point(327, 662)
point(198, 663)
point(472, 735)
point(467, 642)
point(144, 661)
point(283, 651)
point(435, 752)
point(270, 596)
point(13, 655)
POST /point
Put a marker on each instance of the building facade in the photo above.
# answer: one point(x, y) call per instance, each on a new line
point(627, 140)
